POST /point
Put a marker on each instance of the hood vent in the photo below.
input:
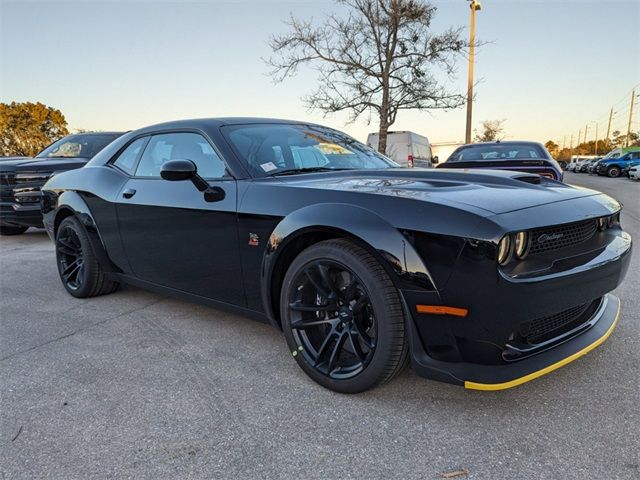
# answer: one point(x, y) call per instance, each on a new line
point(532, 179)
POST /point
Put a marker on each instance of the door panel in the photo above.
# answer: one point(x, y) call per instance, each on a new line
point(173, 237)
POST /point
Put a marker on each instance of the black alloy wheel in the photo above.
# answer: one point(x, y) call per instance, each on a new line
point(343, 318)
point(79, 269)
point(70, 258)
point(332, 319)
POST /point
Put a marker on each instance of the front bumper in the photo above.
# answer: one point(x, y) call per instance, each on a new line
point(501, 377)
point(20, 215)
point(482, 349)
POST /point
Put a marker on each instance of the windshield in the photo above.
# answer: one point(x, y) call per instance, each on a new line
point(270, 149)
point(84, 146)
point(512, 151)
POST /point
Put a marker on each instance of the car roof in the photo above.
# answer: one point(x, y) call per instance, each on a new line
point(98, 133)
point(498, 143)
point(221, 121)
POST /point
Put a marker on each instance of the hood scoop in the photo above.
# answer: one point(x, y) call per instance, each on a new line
point(532, 179)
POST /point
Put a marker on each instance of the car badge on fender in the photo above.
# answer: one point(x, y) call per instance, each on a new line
point(254, 240)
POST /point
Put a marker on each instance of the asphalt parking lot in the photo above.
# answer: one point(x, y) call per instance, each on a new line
point(135, 385)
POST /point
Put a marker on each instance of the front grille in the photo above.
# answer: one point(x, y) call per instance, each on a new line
point(553, 238)
point(32, 178)
point(27, 186)
point(545, 328)
point(7, 179)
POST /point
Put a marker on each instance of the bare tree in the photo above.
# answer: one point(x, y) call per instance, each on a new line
point(492, 130)
point(378, 59)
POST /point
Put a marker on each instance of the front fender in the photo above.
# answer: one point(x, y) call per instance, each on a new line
point(391, 248)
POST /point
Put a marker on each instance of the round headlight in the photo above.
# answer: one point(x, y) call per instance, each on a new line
point(602, 223)
point(522, 244)
point(611, 221)
point(504, 250)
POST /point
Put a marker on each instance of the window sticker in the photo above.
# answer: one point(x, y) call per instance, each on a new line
point(268, 167)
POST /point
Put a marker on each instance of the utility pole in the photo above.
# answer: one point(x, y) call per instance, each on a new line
point(633, 100)
point(586, 127)
point(475, 5)
point(609, 127)
point(579, 135)
point(595, 152)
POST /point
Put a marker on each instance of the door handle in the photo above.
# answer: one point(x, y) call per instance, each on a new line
point(129, 193)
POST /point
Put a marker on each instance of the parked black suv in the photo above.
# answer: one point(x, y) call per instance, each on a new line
point(22, 177)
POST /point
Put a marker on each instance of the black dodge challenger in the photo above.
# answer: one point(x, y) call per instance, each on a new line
point(485, 279)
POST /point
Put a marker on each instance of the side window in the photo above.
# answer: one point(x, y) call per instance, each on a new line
point(180, 146)
point(126, 161)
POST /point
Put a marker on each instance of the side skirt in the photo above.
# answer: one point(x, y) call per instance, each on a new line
point(189, 297)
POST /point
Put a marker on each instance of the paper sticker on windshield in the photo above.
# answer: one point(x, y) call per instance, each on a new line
point(268, 167)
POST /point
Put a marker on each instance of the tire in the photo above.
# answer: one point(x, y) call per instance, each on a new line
point(6, 230)
point(79, 270)
point(343, 318)
point(613, 172)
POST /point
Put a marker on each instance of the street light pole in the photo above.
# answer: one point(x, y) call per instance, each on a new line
point(475, 5)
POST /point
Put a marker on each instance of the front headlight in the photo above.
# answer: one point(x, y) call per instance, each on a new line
point(504, 250)
point(522, 244)
point(611, 221)
point(602, 223)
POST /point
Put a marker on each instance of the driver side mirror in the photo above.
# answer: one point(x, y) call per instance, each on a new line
point(175, 170)
point(435, 159)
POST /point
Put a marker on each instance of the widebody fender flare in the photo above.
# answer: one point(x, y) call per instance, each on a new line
point(387, 243)
point(68, 203)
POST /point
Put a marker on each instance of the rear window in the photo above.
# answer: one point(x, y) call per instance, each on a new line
point(497, 152)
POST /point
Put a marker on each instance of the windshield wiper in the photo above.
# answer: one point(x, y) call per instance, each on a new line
point(295, 171)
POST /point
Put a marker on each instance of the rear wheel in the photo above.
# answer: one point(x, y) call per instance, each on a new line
point(78, 266)
point(613, 172)
point(343, 318)
point(7, 230)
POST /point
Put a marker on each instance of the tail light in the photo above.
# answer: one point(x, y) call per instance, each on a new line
point(410, 161)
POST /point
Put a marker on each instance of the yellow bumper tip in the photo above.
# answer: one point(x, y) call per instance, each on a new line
point(545, 370)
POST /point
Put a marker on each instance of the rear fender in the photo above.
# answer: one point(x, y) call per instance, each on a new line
point(71, 203)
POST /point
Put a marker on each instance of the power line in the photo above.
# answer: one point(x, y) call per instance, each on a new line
point(619, 119)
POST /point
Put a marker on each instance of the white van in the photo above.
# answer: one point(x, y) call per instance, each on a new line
point(406, 148)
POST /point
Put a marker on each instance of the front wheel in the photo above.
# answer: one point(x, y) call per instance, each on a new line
point(78, 266)
point(7, 230)
point(343, 318)
point(613, 172)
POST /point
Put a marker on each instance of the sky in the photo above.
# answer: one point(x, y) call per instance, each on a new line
point(547, 67)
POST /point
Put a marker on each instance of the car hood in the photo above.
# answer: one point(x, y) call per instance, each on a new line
point(491, 191)
point(14, 164)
